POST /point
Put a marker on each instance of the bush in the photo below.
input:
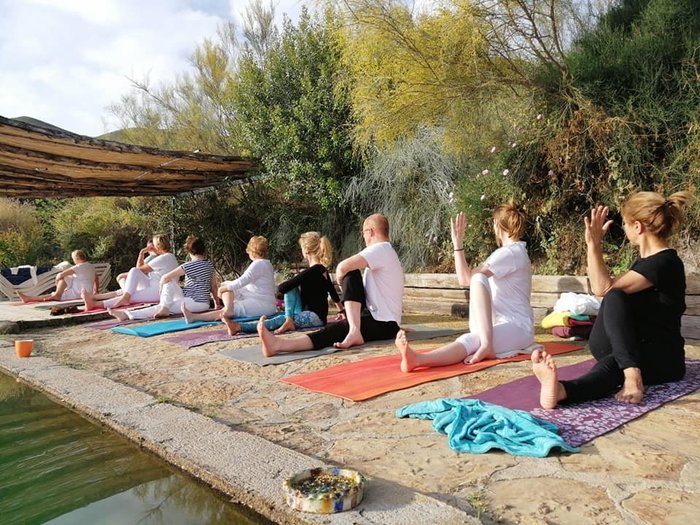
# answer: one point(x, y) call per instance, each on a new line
point(21, 235)
point(110, 229)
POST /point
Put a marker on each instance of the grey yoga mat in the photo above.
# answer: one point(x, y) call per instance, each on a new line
point(253, 354)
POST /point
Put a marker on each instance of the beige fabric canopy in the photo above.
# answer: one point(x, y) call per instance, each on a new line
point(37, 161)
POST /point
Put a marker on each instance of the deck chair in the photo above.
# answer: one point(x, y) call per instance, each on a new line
point(45, 282)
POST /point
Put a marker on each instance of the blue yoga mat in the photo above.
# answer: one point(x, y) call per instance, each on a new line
point(177, 325)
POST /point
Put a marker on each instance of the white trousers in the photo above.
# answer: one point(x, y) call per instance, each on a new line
point(172, 298)
point(509, 339)
point(140, 287)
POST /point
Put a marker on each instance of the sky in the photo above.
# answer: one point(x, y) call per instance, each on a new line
point(65, 61)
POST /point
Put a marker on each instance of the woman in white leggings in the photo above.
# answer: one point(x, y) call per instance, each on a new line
point(142, 283)
point(500, 314)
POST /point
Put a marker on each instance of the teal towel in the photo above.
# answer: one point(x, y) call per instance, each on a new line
point(177, 325)
point(475, 426)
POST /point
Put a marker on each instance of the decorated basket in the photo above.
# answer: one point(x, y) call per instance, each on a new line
point(324, 490)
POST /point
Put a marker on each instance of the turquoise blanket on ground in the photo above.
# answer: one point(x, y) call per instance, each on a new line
point(177, 325)
point(476, 426)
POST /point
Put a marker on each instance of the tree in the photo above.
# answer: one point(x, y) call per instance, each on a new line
point(294, 113)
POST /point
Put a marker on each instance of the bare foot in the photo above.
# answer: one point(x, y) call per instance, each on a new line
point(118, 314)
point(186, 313)
point(551, 390)
point(352, 339)
point(233, 326)
point(484, 352)
point(287, 326)
point(87, 299)
point(161, 313)
point(407, 353)
point(268, 339)
point(631, 392)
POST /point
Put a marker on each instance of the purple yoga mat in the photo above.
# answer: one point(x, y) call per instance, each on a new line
point(524, 393)
point(581, 423)
point(192, 339)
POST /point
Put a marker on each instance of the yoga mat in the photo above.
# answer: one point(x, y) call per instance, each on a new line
point(166, 327)
point(110, 323)
point(190, 340)
point(378, 375)
point(583, 422)
point(253, 354)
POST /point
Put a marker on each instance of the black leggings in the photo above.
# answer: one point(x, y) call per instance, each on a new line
point(615, 345)
point(371, 329)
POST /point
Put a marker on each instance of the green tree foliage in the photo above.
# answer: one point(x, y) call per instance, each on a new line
point(110, 229)
point(412, 184)
point(413, 68)
point(195, 112)
point(294, 113)
point(21, 235)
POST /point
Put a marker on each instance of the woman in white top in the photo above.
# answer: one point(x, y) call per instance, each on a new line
point(142, 283)
point(70, 282)
point(251, 295)
point(500, 314)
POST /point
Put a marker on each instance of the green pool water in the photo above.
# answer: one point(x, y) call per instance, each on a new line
point(58, 468)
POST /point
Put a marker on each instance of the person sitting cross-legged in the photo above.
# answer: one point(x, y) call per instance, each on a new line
point(372, 300)
point(500, 315)
point(636, 338)
point(199, 285)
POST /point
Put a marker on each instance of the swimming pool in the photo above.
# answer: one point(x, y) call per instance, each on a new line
point(56, 467)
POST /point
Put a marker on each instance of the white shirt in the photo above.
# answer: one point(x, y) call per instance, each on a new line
point(161, 265)
point(258, 280)
point(511, 284)
point(84, 276)
point(383, 280)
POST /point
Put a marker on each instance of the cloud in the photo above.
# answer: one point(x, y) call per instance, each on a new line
point(65, 62)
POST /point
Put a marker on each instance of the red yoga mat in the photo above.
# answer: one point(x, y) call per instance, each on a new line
point(369, 378)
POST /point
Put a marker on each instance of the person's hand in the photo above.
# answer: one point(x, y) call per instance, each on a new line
point(340, 316)
point(597, 225)
point(222, 289)
point(457, 226)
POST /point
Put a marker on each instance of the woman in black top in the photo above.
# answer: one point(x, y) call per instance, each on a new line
point(636, 338)
point(305, 294)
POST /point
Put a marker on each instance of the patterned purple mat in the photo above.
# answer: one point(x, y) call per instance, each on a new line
point(581, 423)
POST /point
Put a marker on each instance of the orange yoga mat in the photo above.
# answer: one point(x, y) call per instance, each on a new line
point(371, 377)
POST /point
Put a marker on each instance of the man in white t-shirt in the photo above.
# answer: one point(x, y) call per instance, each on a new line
point(372, 284)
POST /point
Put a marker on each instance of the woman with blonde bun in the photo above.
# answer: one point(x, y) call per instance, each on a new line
point(636, 338)
point(500, 315)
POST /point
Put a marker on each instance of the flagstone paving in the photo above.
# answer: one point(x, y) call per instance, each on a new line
point(647, 471)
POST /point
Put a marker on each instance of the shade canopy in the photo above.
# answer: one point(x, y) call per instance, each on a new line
point(38, 161)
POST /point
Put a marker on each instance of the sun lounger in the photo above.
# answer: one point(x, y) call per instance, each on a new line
point(40, 283)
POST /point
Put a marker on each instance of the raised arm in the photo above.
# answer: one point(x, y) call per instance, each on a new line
point(596, 226)
point(462, 269)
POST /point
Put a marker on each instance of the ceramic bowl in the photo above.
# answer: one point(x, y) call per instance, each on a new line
point(324, 490)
